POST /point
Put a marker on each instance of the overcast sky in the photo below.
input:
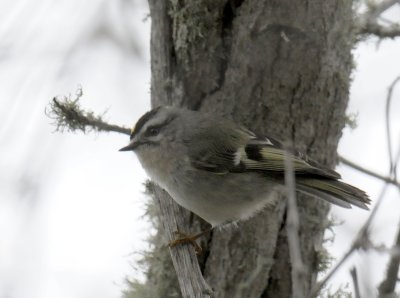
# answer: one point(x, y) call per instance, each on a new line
point(72, 206)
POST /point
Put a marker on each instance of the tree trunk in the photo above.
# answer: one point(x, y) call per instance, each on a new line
point(280, 68)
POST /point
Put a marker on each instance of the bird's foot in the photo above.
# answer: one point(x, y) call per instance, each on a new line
point(187, 239)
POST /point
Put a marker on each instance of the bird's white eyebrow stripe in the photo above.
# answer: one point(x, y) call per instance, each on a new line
point(144, 124)
point(143, 121)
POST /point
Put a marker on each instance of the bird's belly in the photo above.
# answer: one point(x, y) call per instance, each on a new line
point(225, 198)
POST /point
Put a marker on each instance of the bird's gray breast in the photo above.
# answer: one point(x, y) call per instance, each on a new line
point(223, 198)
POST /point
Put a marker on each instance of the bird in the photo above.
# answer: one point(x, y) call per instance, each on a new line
point(222, 171)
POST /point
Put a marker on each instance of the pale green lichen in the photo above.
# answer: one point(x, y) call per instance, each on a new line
point(324, 259)
point(191, 20)
point(187, 23)
point(342, 292)
point(351, 120)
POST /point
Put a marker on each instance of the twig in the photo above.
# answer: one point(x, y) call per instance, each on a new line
point(388, 130)
point(368, 22)
point(396, 164)
point(292, 227)
point(392, 178)
point(361, 241)
point(376, 9)
point(388, 285)
point(184, 258)
point(380, 31)
point(353, 273)
point(368, 172)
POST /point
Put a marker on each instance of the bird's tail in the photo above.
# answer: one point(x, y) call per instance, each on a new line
point(333, 191)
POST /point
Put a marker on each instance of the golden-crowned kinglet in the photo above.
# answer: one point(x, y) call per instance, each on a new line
point(222, 171)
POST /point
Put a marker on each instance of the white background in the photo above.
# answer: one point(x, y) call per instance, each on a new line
point(72, 206)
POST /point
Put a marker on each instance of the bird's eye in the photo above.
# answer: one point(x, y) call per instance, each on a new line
point(152, 131)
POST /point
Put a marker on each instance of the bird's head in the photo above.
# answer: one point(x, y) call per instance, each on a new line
point(153, 130)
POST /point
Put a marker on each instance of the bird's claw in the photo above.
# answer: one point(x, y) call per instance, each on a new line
point(186, 239)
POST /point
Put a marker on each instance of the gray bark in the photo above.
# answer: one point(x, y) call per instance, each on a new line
point(278, 67)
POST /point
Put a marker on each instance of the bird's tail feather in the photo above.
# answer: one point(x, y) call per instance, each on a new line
point(333, 191)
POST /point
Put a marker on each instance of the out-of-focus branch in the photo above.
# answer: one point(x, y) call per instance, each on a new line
point(353, 273)
point(368, 172)
point(392, 178)
point(393, 162)
point(388, 285)
point(299, 281)
point(379, 30)
point(367, 23)
point(376, 9)
point(68, 115)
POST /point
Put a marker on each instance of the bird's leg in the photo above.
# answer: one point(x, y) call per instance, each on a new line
point(188, 239)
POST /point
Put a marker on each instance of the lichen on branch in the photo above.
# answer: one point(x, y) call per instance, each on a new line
point(68, 115)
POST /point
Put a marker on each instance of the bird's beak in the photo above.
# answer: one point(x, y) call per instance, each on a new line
point(130, 147)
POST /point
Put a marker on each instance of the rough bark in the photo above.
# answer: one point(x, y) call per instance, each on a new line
point(280, 68)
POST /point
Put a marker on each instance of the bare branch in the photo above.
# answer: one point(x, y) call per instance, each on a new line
point(388, 130)
point(368, 172)
point(391, 179)
point(396, 164)
point(184, 258)
point(292, 226)
point(379, 30)
point(367, 23)
point(376, 9)
point(353, 273)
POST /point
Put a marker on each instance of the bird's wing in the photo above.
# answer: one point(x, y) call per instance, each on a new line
point(216, 150)
point(243, 151)
point(269, 155)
